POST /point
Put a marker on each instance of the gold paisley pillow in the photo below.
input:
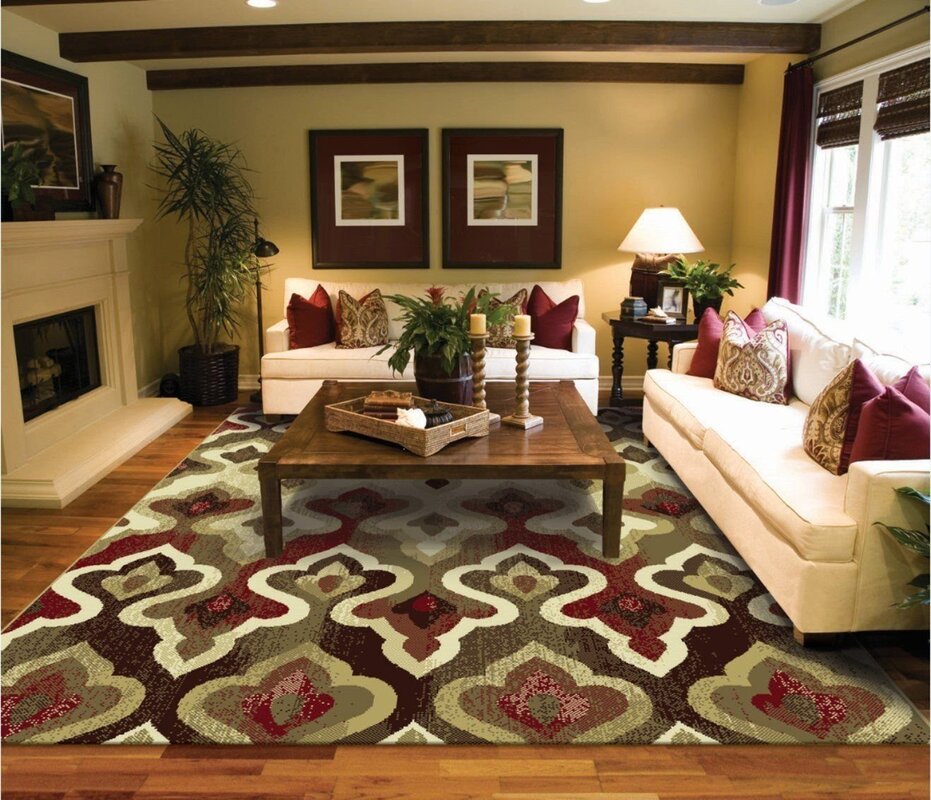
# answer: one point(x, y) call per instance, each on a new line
point(362, 323)
point(751, 365)
point(502, 334)
point(831, 424)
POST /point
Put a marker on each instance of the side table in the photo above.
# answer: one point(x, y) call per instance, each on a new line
point(654, 333)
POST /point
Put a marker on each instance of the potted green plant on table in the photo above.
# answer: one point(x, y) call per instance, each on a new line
point(205, 188)
point(20, 176)
point(919, 542)
point(706, 281)
point(436, 329)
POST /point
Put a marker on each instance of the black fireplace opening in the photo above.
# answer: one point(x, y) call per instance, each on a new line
point(57, 358)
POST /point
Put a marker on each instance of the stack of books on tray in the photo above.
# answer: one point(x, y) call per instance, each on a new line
point(385, 405)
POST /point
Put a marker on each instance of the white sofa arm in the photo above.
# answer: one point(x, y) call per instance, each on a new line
point(583, 337)
point(682, 355)
point(871, 495)
point(277, 337)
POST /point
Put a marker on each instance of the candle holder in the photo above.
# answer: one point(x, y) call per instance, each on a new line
point(522, 418)
point(478, 374)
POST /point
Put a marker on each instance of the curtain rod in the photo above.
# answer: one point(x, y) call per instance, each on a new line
point(819, 56)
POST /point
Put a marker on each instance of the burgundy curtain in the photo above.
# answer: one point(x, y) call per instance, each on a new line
point(791, 203)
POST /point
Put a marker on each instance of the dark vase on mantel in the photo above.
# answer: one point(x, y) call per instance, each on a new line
point(700, 306)
point(109, 191)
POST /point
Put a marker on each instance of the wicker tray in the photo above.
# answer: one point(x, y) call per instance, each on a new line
point(468, 421)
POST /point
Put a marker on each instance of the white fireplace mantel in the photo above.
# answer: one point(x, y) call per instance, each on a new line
point(50, 268)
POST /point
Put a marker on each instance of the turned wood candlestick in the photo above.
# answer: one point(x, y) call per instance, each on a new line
point(522, 418)
point(478, 374)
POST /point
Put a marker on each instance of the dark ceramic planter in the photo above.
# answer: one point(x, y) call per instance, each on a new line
point(700, 306)
point(435, 383)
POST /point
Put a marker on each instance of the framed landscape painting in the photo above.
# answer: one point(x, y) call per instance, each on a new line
point(369, 198)
point(502, 197)
point(46, 109)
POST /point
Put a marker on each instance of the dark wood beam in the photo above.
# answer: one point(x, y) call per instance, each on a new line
point(401, 37)
point(446, 72)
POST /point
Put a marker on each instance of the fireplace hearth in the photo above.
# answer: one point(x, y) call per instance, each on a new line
point(57, 359)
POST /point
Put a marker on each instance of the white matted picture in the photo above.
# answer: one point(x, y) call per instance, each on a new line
point(673, 299)
point(502, 189)
point(369, 190)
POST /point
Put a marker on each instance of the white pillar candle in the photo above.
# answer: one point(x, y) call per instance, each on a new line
point(477, 324)
point(522, 325)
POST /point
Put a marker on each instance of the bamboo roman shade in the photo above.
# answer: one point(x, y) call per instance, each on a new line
point(903, 101)
point(839, 116)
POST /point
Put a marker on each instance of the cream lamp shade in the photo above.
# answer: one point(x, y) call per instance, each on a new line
point(661, 230)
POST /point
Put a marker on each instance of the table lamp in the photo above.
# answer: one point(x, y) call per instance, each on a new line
point(261, 249)
point(658, 238)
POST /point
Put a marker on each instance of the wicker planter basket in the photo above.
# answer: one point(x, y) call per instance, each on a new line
point(468, 421)
point(209, 379)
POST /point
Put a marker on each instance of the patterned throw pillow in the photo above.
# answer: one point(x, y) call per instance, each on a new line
point(502, 334)
point(751, 365)
point(362, 323)
point(831, 425)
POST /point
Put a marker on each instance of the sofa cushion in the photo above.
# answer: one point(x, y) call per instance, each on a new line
point(545, 364)
point(310, 320)
point(693, 406)
point(889, 368)
point(710, 330)
point(502, 334)
point(891, 427)
point(831, 424)
point(362, 323)
point(552, 322)
point(753, 365)
point(818, 347)
point(772, 473)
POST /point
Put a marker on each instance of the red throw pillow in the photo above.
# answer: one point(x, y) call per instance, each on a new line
point(552, 323)
point(710, 328)
point(310, 322)
point(913, 386)
point(891, 427)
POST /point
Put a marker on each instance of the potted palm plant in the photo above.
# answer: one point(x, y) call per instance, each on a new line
point(206, 189)
point(436, 329)
point(706, 281)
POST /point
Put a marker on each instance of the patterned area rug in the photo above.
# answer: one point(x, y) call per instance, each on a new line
point(436, 611)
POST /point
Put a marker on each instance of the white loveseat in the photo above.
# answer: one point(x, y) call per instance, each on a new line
point(290, 378)
point(809, 535)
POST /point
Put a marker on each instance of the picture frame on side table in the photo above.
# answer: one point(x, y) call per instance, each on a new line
point(47, 109)
point(673, 298)
point(369, 199)
point(502, 197)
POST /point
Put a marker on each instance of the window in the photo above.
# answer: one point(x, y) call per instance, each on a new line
point(868, 253)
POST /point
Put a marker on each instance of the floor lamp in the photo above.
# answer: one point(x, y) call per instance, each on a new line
point(262, 249)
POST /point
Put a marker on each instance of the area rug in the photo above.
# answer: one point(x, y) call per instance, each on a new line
point(424, 612)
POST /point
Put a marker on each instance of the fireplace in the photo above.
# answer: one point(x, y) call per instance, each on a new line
point(57, 358)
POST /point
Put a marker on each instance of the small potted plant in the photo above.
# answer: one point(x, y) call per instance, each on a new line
point(706, 281)
point(919, 542)
point(205, 188)
point(436, 329)
point(20, 176)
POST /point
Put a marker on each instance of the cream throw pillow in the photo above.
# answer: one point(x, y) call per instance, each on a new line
point(753, 366)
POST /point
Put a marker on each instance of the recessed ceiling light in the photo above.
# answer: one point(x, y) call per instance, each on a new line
point(597, 1)
point(777, 2)
point(262, 3)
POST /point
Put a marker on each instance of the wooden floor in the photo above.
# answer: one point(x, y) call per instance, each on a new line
point(37, 546)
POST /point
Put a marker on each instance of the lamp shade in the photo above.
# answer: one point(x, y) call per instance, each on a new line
point(661, 230)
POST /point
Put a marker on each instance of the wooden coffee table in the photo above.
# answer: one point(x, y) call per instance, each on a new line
point(569, 444)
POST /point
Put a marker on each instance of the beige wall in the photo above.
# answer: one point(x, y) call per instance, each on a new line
point(627, 146)
point(121, 133)
point(865, 17)
point(758, 121)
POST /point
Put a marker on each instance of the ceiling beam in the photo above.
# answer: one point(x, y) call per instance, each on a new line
point(446, 72)
point(409, 37)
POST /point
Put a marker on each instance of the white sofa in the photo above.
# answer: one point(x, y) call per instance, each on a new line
point(809, 535)
point(291, 377)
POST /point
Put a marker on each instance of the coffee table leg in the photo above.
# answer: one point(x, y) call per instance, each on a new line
point(612, 509)
point(271, 509)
